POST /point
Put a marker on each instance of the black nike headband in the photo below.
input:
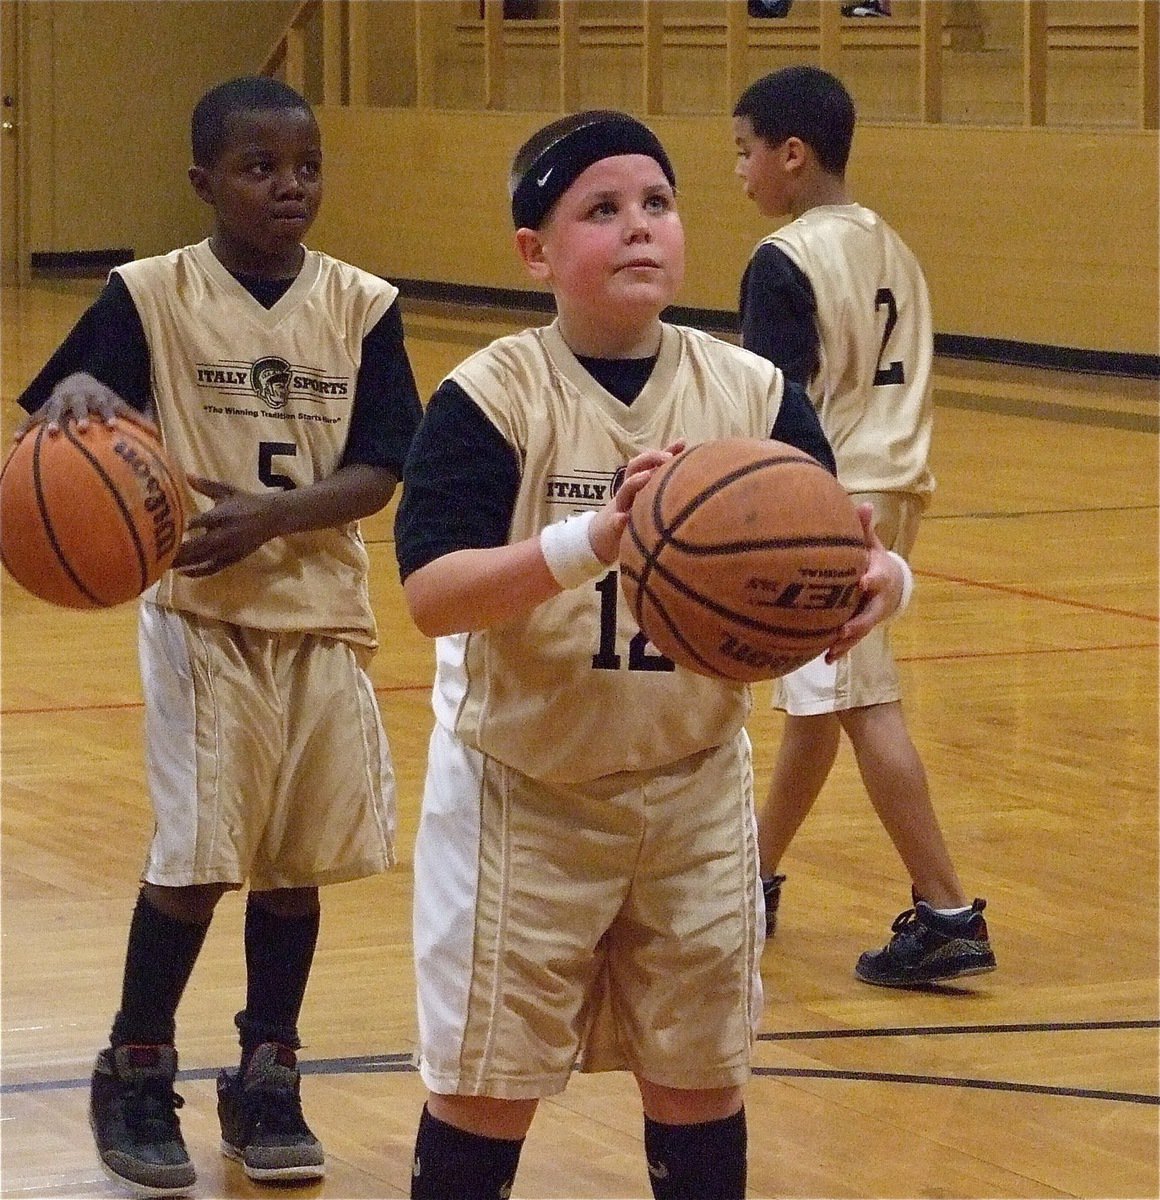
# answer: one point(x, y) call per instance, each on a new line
point(550, 161)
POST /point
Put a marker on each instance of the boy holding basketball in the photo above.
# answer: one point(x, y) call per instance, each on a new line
point(585, 869)
point(838, 301)
point(280, 382)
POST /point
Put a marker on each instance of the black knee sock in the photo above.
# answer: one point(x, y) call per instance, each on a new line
point(452, 1162)
point(158, 962)
point(279, 954)
point(697, 1162)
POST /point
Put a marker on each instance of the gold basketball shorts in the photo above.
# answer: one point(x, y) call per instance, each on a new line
point(867, 674)
point(614, 924)
point(265, 755)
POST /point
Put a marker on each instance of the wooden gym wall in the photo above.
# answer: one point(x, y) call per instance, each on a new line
point(1034, 235)
point(104, 91)
point(1030, 231)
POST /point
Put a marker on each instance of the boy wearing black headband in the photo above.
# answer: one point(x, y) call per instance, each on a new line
point(586, 887)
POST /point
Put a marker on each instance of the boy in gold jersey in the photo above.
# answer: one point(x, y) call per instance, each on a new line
point(586, 887)
point(281, 385)
point(837, 300)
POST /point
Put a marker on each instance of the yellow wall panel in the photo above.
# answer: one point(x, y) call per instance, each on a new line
point(1044, 235)
point(108, 102)
point(1032, 235)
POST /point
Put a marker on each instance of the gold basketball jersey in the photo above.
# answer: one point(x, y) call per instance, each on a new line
point(261, 398)
point(573, 691)
point(872, 389)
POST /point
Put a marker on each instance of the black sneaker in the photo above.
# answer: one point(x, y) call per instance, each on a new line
point(261, 1118)
point(771, 890)
point(929, 948)
point(133, 1114)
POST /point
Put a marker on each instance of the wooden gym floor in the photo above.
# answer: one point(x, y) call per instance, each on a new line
point(1030, 662)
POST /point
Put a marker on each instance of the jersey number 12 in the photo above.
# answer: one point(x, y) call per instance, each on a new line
point(640, 658)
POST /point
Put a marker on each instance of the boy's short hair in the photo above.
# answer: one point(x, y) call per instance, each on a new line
point(806, 103)
point(547, 164)
point(248, 93)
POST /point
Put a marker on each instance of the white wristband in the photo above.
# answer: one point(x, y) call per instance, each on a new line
point(568, 551)
point(907, 582)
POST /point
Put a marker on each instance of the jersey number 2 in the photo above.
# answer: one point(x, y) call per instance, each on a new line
point(892, 372)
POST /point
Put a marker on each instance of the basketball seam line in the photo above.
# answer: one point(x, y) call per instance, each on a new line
point(717, 486)
point(719, 609)
point(127, 516)
point(45, 520)
point(819, 540)
point(651, 563)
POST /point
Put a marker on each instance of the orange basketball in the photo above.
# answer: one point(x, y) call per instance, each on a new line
point(89, 519)
point(742, 558)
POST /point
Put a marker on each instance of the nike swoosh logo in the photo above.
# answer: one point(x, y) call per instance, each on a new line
point(415, 1168)
point(544, 178)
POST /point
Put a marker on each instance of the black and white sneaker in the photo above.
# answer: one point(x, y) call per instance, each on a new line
point(133, 1114)
point(771, 890)
point(261, 1118)
point(928, 947)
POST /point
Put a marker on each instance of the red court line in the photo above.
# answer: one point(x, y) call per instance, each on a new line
point(1028, 594)
point(426, 687)
point(127, 704)
point(1025, 651)
point(1003, 588)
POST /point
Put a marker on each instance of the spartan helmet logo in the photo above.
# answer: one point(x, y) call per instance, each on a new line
point(270, 379)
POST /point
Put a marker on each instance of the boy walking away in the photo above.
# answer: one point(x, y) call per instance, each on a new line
point(840, 304)
point(280, 383)
point(585, 870)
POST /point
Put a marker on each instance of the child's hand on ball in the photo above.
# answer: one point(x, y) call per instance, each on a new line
point(605, 532)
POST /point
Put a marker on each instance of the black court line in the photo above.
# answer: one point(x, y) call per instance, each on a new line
point(945, 394)
point(927, 1030)
point(998, 1085)
point(393, 1064)
point(1046, 410)
point(517, 301)
point(994, 1085)
point(365, 1064)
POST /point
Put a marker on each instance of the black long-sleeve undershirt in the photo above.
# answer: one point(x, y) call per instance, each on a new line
point(462, 477)
point(109, 343)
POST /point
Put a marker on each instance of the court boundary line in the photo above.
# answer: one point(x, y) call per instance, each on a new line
point(1131, 364)
point(403, 1063)
point(1009, 589)
point(799, 1035)
point(988, 1085)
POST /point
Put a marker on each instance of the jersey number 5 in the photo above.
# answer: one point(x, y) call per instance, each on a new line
point(891, 372)
point(266, 473)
